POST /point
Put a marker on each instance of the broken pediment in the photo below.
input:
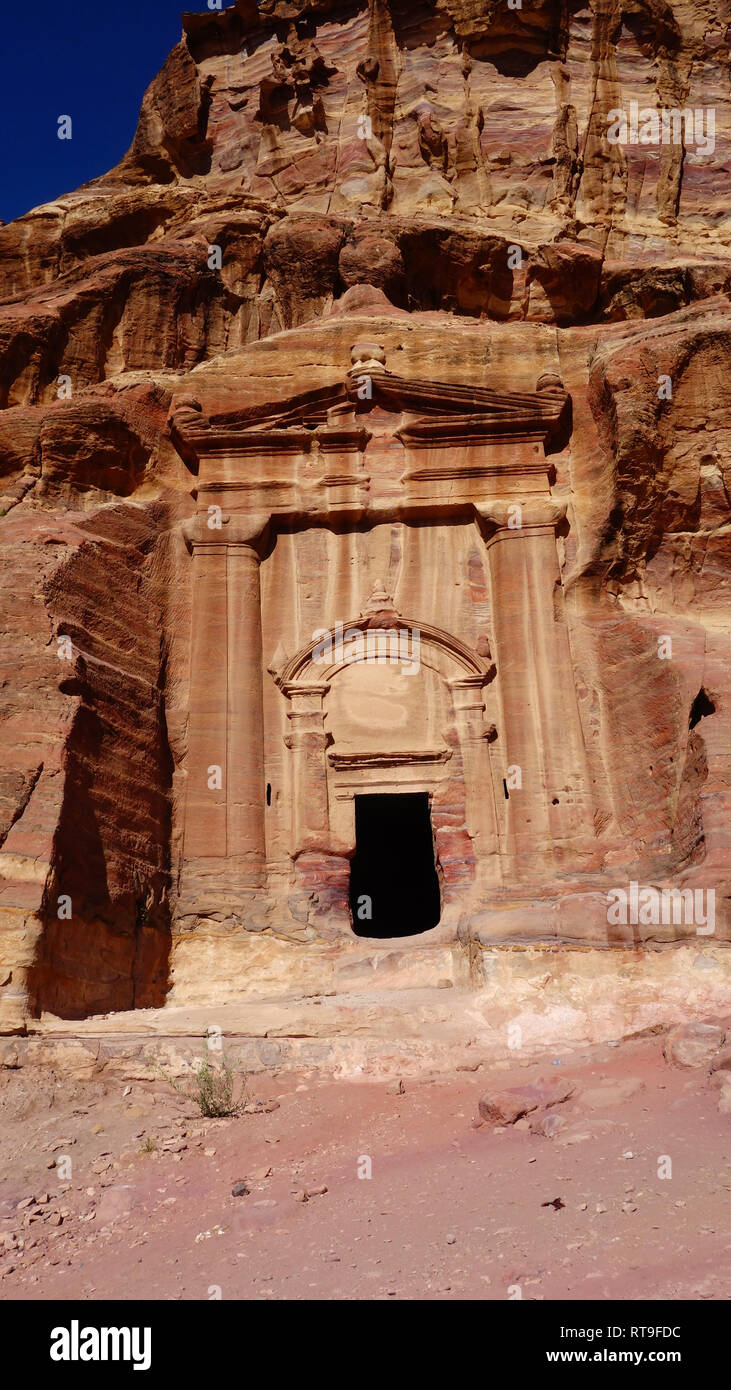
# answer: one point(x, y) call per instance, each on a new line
point(426, 410)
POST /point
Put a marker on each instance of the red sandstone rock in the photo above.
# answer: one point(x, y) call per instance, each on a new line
point(694, 1045)
point(505, 1107)
point(423, 207)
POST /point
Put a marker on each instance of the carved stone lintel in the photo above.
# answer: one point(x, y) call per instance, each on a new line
point(353, 759)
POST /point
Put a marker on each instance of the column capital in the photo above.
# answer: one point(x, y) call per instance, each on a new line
point(222, 529)
point(305, 696)
point(472, 682)
point(512, 516)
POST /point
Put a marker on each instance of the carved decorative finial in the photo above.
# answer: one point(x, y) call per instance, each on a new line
point(379, 594)
point(185, 403)
point(367, 358)
point(186, 413)
point(186, 409)
point(380, 602)
point(550, 381)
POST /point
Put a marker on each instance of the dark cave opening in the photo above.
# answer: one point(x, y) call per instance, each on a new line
point(394, 889)
point(701, 707)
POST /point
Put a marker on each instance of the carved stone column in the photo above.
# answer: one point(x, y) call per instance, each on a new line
point(205, 801)
point(224, 816)
point(473, 733)
point(308, 741)
point(540, 731)
point(245, 796)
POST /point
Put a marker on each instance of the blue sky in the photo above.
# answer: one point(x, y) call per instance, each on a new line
point(90, 59)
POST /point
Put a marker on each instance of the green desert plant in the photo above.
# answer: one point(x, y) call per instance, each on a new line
point(212, 1087)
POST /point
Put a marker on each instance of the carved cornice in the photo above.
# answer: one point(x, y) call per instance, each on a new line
point(436, 412)
point(473, 429)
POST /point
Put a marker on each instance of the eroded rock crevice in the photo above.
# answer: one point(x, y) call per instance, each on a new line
point(105, 912)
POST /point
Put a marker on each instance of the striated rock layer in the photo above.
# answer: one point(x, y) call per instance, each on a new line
point(374, 326)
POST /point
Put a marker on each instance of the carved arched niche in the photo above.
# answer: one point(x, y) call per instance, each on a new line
point(384, 703)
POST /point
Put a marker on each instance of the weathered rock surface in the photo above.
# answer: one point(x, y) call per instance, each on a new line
point(505, 1107)
point(435, 182)
point(695, 1045)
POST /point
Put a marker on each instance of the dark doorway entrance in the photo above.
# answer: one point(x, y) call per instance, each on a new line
point(394, 890)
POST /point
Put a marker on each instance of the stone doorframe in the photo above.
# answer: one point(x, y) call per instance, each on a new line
point(304, 686)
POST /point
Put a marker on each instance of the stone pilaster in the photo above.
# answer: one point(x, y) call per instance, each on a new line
point(308, 742)
point(245, 796)
point(473, 733)
point(540, 731)
point(224, 816)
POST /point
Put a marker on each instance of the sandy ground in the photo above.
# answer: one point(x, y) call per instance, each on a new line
point(449, 1211)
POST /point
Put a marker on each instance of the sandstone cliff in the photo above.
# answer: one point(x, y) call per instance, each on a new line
point(436, 178)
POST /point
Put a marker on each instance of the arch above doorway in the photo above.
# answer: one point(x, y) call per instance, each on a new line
point(444, 750)
point(379, 617)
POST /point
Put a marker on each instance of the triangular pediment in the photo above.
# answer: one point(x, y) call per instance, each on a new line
point(399, 395)
point(424, 409)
